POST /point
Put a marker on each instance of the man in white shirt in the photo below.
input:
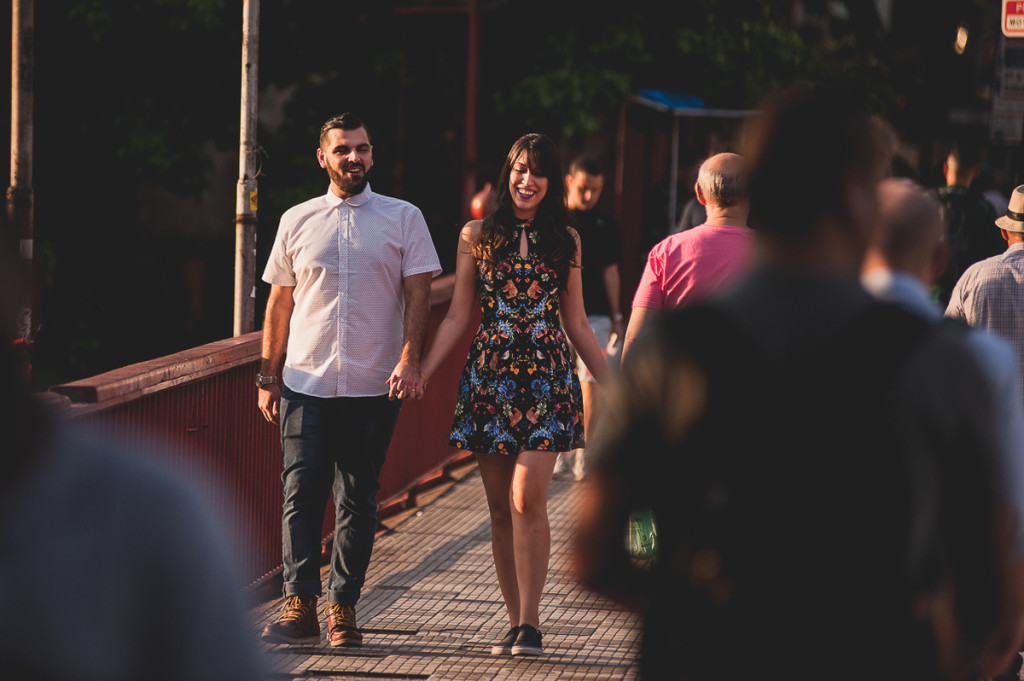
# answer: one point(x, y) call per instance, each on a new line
point(344, 329)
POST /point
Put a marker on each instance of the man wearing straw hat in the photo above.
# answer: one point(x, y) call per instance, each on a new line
point(990, 293)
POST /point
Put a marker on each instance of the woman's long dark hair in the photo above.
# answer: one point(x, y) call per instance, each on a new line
point(556, 244)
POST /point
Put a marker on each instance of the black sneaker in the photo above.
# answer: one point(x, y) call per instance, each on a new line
point(527, 641)
point(504, 646)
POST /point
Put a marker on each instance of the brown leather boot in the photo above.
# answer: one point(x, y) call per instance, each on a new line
point(341, 626)
point(298, 622)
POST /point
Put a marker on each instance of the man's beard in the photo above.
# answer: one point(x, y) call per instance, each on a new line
point(346, 184)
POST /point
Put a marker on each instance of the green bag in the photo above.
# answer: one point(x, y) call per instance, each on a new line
point(643, 535)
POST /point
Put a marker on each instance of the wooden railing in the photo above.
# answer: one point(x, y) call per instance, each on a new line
point(196, 410)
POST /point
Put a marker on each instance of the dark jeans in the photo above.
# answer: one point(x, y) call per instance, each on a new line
point(330, 445)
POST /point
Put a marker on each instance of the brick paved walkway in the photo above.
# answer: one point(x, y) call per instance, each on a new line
point(431, 607)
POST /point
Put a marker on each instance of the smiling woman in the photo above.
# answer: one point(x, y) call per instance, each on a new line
point(527, 187)
point(519, 400)
point(529, 164)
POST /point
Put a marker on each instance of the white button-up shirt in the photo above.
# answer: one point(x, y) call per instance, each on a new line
point(347, 259)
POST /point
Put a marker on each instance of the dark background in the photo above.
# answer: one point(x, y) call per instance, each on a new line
point(137, 111)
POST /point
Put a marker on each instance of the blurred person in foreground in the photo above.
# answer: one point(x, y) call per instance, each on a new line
point(111, 566)
point(819, 463)
point(903, 262)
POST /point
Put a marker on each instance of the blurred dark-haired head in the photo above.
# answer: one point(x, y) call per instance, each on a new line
point(586, 164)
point(814, 156)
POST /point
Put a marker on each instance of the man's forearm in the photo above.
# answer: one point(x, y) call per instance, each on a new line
point(275, 332)
point(417, 314)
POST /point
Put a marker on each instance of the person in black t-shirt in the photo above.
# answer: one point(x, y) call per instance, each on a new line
point(600, 236)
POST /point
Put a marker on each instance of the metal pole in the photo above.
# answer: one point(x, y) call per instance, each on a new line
point(20, 201)
point(673, 175)
point(245, 203)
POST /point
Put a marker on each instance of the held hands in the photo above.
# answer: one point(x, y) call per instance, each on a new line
point(406, 383)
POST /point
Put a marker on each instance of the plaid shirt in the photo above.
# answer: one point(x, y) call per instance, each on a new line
point(990, 295)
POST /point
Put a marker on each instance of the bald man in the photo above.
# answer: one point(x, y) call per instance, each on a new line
point(908, 246)
point(691, 265)
point(904, 261)
point(903, 264)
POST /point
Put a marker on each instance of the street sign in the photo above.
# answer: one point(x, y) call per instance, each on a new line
point(1013, 18)
point(1006, 120)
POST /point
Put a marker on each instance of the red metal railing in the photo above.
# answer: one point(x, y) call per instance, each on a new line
point(196, 410)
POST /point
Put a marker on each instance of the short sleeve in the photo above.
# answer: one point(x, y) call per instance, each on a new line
point(649, 291)
point(419, 255)
point(280, 270)
point(955, 308)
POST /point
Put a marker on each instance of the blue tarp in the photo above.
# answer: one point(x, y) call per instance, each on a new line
point(676, 100)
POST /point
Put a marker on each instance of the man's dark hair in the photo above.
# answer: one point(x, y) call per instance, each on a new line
point(803, 147)
point(586, 164)
point(346, 121)
point(967, 155)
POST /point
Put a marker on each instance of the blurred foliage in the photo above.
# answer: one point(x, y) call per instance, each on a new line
point(148, 74)
point(569, 73)
point(740, 58)
point(576, 79)
point(135, 94)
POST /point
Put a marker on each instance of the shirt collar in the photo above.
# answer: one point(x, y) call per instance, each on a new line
point(901, 288)
point(333, 200)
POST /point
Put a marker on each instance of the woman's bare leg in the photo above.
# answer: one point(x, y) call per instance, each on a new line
point(496, 472)
point(531, 532)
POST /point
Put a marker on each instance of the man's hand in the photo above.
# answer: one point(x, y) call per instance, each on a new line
point(406, 383)
point(618, 328)
point(270, 402)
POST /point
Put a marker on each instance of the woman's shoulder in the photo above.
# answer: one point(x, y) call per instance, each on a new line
point(573, 233)
point(471, 231)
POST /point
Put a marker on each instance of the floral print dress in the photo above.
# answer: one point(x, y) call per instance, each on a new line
point(519, 388)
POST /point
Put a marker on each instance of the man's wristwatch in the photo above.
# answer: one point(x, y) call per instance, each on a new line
point(262, 380)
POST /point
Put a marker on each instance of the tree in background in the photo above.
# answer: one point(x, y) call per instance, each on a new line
point(137, 113)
